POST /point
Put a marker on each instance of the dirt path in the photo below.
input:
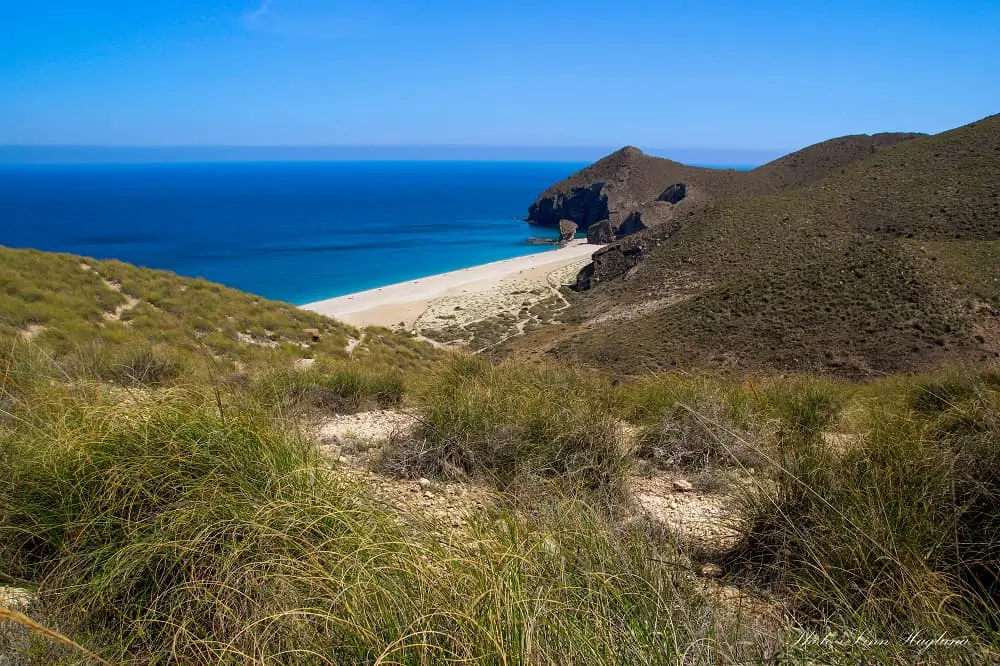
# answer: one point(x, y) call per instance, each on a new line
point(130, 303)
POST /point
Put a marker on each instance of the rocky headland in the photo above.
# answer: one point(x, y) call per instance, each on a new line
point(628, 190)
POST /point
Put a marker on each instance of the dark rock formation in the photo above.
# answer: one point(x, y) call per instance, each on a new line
point(584, 278)
point(583, 205)
point(567, 230)
point(610, 262)
point(630, 225)
point(601, 233)
point(616, 260)
point(674, 193)
point(618, 226)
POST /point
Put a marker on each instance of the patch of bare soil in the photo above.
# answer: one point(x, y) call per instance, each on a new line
point(486, 319)
point(354, 343)
point(30, 331)
point(15, 598)
point(355, 441)
point(699, 514)
point(675, 295)
point(702, 518)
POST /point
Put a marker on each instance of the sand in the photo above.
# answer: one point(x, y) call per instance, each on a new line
point(475, 293)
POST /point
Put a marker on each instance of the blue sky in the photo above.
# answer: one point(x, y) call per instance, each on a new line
point(722, 75)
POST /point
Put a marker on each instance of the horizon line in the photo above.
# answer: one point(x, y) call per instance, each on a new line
point(109, 153)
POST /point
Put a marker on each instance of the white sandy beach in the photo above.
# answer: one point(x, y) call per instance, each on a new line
point(477, 291)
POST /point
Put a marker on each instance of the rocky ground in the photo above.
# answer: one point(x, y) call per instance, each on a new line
point(698, 510)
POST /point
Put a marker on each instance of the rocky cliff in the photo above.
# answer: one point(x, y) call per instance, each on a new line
point(606, 198)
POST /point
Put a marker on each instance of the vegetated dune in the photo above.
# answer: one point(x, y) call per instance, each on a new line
point(118, 316)
point(888, 263)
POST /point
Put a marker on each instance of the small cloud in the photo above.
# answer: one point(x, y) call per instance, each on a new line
point(260, 12)
point(314, 20)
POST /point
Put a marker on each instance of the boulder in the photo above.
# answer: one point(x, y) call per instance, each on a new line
point(618, 259)
point(567, 230)
point(611, 262)
point(674, 193)
point(600, 233)
point(630, 225)
point(682, 486)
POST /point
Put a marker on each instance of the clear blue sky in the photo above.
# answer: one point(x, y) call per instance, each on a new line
point(657, 74)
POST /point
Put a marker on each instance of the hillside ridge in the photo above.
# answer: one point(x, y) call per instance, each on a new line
point(889, 262)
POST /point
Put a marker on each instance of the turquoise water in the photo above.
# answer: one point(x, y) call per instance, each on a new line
point(295, 231)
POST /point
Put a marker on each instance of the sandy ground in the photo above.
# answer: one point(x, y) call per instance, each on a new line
point(479, 291)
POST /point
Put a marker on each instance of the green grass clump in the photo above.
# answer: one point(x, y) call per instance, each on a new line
point(896, 531)
point(129, 364)
point(804, 407)
point(159, 528)
point(693, 422)
point(513, 422)
point(339, 387)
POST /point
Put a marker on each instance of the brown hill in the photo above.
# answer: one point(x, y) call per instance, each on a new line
point(632, 190)
point(888, 263)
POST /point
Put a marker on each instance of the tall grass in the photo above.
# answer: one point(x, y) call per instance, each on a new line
point(514, 423)
point(160, 529)
point(172, 523)
point(692, 423)
point(894, 532)
point(335, 386)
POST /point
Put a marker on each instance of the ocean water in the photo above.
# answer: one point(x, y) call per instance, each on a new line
point(295, 231)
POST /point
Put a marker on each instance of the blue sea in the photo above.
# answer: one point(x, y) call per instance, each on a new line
point(294, 231)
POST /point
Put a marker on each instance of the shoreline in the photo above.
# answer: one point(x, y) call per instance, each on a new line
point(403, 303)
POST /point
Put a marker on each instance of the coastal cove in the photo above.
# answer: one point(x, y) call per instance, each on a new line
point(292, 231)
point(478, 292)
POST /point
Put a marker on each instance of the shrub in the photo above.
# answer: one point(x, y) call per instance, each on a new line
point(693, 438)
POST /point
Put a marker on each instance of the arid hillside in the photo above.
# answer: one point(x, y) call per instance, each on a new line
point(888, 263)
